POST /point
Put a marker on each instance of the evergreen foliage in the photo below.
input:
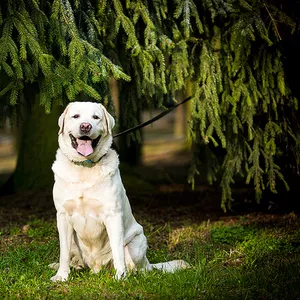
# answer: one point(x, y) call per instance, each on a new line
point(228, 51)
point(42, 43)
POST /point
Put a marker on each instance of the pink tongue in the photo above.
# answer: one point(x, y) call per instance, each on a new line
point(84, 147)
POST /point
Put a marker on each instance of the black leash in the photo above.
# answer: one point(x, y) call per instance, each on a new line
point(159, 116)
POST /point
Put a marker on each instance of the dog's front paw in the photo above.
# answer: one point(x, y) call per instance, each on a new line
point(60, 276)
point(120, 274)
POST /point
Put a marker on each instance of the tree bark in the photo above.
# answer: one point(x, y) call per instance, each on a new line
point(130, 151)
point(36, 148)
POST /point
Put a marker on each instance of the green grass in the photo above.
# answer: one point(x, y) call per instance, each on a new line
point(252, 257)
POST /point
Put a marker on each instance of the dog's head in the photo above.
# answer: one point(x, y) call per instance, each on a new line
point(85, 130)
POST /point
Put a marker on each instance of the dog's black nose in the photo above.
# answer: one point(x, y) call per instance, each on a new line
point(85, 127)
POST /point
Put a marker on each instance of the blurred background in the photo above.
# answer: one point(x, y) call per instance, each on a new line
point(164, 143)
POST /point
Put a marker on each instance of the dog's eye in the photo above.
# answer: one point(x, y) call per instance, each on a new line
point(76, 116)
point(96, 117)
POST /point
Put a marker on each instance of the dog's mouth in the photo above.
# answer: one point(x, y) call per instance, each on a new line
point(84, 145)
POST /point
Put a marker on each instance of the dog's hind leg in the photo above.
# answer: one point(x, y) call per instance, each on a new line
point(76, 260)
point(135, 253)
point(135, 257)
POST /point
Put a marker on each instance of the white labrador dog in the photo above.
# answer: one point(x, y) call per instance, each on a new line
point(94, 218)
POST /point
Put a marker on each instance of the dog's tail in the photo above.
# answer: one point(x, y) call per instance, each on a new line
point(169, 266)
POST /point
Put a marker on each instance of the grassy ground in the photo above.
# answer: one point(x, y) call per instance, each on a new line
point(249, 256)
point(240, 256)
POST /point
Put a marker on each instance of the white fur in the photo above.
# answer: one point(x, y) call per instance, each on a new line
point(94, 218)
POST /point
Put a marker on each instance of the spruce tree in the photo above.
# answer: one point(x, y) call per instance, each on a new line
point(50, 55)
point(229, 52)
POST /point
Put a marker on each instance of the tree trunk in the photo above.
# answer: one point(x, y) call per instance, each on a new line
point(180, 126)
point(130, 151)
point(36, 148)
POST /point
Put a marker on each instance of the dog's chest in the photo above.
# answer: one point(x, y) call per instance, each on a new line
point(83, 206)
point(87, 217)
point(89, 204)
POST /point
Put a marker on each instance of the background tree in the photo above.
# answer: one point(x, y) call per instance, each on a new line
point(46, 61)
point(230, 53)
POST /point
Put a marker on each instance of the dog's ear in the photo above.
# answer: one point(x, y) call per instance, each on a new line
point(61, 120)
point(110, 121)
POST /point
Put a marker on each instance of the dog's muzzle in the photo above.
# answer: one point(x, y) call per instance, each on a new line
point(84, 145)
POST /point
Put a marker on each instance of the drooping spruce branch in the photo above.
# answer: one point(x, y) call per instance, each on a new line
point(45, 47)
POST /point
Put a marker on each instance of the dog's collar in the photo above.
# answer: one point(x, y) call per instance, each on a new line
point(87, 163)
